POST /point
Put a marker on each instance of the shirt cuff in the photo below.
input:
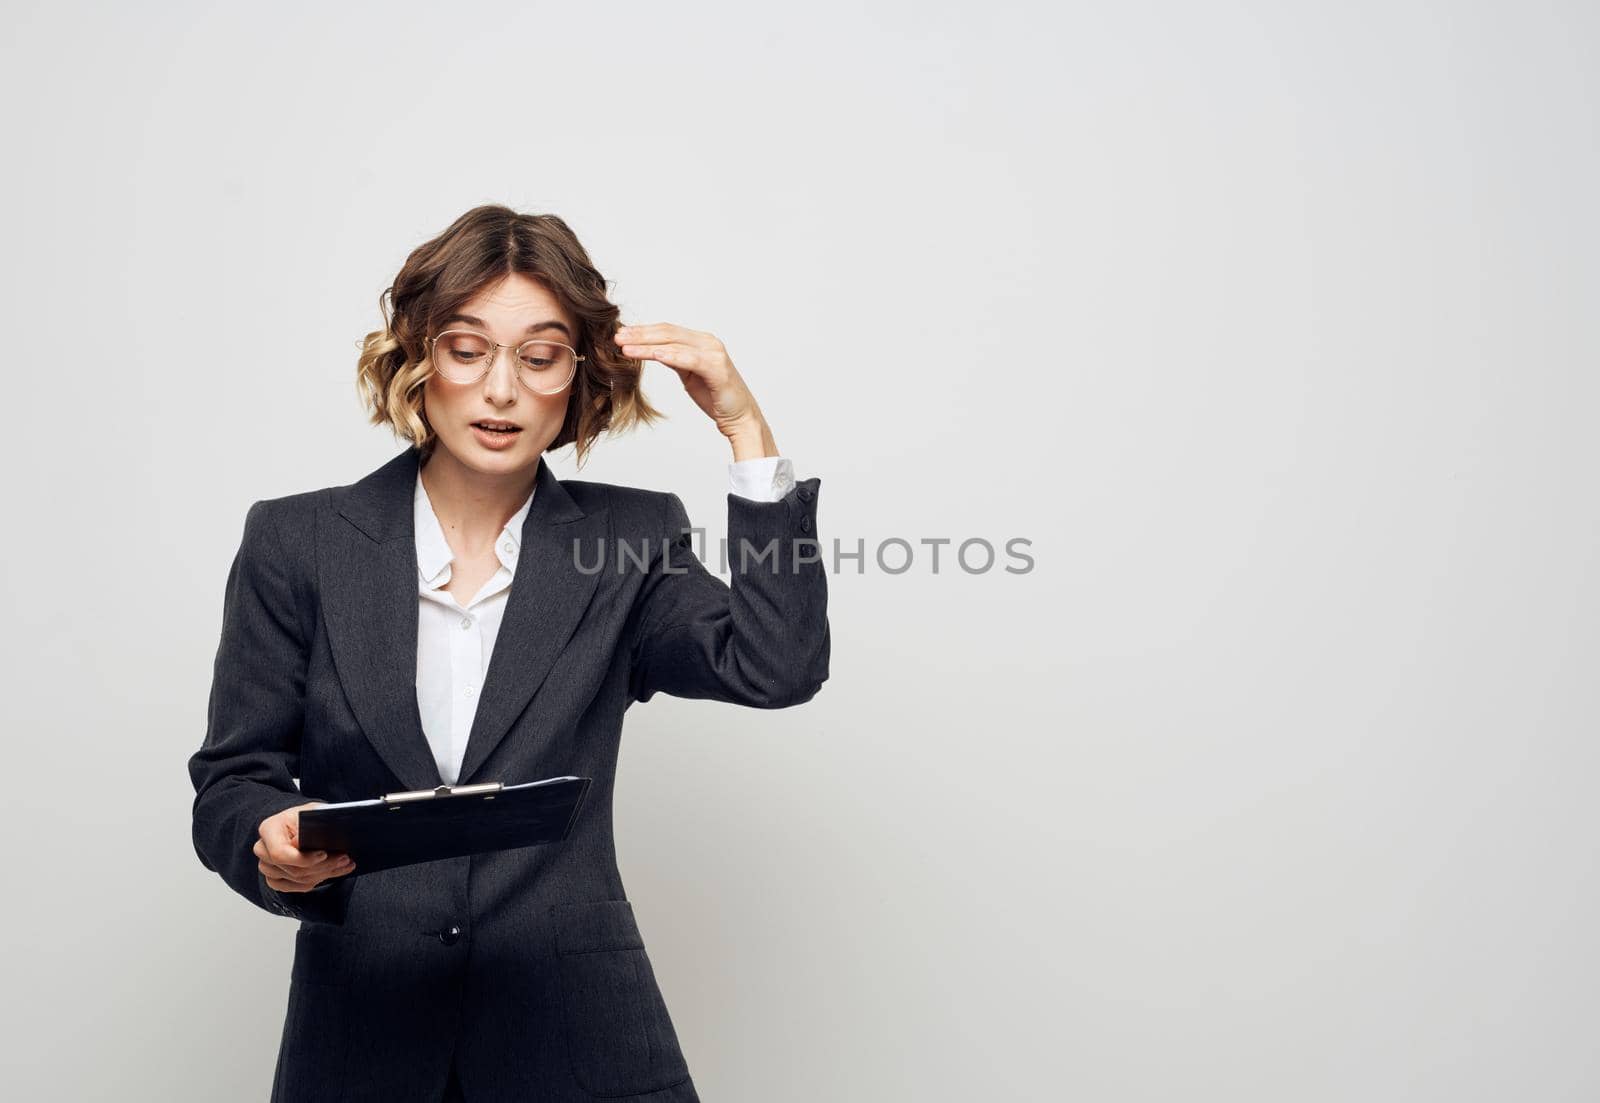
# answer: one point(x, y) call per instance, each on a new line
point(763, 479)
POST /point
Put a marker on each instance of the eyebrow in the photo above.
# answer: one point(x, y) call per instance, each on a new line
point(536, 327)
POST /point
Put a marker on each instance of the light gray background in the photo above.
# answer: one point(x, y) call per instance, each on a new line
point(1272, 326)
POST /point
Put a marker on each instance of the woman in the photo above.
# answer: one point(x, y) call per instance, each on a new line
point(358, 627)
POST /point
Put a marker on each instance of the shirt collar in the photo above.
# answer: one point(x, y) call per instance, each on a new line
point(433, 550)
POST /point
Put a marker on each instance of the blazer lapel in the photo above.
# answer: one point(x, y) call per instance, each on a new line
point(368, 569)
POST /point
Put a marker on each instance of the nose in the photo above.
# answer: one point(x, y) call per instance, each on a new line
point(500, 385)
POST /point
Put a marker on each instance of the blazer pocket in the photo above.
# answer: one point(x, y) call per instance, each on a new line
point(319, 956)
point(317, 1022)
point(620, 1038)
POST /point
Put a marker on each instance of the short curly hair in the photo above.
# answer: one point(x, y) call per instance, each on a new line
point(478, 249)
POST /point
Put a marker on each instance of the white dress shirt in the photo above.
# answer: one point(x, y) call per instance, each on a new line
point(456, 641)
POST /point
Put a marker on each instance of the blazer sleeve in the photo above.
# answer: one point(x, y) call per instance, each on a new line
point(763, 642)
point(244, 770)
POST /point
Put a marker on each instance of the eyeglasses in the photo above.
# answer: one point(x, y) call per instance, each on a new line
point(464, 356)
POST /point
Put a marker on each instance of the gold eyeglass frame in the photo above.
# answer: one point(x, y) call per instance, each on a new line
point(488, 364)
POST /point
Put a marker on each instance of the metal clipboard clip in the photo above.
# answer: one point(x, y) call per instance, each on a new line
point(486, 789)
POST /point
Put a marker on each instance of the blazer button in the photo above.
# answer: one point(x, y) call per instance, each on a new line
point(805, 524)
point(805, 493)
point(450, 935)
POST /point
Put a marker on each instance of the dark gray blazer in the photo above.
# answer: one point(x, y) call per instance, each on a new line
point(524, 967)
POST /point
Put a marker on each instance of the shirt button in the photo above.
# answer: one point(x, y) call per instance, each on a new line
point(470, 690)
point(511, 549)
point(466, 622)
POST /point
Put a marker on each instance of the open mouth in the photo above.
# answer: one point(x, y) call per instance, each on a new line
point(502, 429)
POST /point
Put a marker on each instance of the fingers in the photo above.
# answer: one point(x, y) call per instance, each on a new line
point(284, 865)
point(298, 878)
point(310, 875)
point(660, 332)
point(689, 352)
point(671, 354)
point(273, 847)
point(295, 863)
point(287, 867)
point(666, 334)
point(284, 884)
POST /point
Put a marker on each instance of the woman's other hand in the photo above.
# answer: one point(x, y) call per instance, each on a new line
point(708, 374)
point(286, 867)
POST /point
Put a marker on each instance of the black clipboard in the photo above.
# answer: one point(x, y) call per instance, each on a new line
point(424, 825)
